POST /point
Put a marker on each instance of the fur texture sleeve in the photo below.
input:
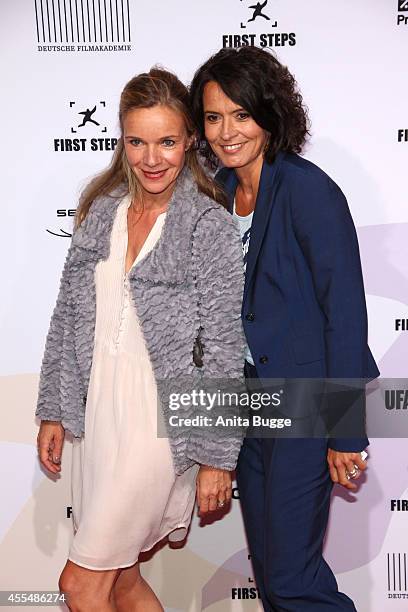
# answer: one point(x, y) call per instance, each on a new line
point(218, 267)
point(48, 402)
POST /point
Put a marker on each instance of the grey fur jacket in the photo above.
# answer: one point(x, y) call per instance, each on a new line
point(192, 278)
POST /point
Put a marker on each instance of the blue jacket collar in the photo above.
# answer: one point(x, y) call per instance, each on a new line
point(268, 183)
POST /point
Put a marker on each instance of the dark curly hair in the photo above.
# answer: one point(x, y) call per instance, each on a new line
point(260, 84)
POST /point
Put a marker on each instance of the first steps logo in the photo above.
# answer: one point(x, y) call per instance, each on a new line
point(253, 16)
point(402, 19)
point(67, 26)
point(88, 131)
point(246, 592)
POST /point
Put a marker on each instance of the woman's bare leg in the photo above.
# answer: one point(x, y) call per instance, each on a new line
point(88, 590)
point(131, 592)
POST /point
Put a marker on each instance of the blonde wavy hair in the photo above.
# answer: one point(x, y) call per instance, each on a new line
point(156, 87)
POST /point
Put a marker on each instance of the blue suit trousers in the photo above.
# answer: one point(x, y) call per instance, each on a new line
point(285, 488)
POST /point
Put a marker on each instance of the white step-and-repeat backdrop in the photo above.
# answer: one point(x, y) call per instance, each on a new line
point(64, 58)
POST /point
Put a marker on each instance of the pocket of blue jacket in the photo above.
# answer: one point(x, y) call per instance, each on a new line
point(307, 348)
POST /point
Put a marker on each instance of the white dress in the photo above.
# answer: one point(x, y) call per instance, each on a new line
point(125, 493)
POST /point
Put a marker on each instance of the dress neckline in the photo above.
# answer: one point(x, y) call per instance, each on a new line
point(149, 238)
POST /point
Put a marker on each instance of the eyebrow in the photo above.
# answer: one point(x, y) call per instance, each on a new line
point(162, 138)
point(236, 110)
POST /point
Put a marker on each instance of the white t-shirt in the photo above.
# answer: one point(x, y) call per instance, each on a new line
point(244, 224)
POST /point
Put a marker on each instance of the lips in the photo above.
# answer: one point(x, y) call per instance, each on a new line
point(232, 148)
point(154, 176)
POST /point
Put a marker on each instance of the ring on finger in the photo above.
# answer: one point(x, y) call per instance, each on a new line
point(353, 473)
point(221, 503)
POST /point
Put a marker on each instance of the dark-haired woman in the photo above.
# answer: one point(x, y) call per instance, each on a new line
point(139, 290)
point(303, 312)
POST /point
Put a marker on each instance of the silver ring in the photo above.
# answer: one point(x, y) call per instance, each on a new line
point(221, 504)
point(353, 473)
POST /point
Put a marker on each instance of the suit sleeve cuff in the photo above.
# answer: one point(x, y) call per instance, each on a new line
point(348, 445)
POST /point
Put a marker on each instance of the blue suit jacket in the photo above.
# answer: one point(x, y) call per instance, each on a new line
point(304, 310)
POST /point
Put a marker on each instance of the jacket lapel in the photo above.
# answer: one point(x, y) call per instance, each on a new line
point(263, 208)
point(91, 241)
point(166, 262)
point(229, 181)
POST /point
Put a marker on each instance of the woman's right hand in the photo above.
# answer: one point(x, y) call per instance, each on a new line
point(49, 443)
point(214, 488)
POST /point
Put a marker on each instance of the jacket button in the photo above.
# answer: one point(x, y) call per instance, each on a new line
point(250, 316)
point(84, 400)
point(263, 359)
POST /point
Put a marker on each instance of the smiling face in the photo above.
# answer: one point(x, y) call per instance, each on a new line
point(236, 139)
point(155, 141)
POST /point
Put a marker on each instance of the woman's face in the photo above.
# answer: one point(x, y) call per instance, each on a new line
point(155, 141)
point(236, 139)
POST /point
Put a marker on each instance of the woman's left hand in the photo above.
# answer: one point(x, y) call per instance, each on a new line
point(342, 465)
point(214, 489)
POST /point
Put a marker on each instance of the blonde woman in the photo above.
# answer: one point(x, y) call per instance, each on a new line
point(153, 271)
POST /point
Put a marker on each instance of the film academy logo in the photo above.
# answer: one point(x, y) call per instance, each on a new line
point(402, 17)
point(252, 15)
point(397, 575)
point(76, 25)
point(85, 123)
